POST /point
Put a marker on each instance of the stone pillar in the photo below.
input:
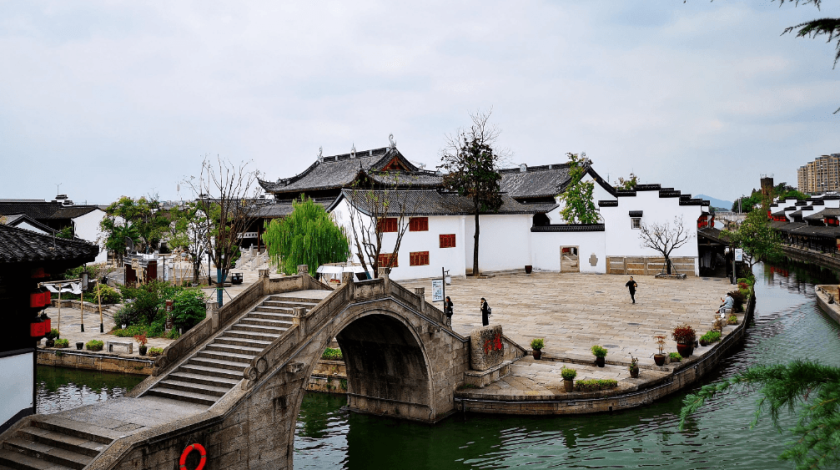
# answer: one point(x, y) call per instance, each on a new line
point(213, 313)
point(385, 274)
point(303, 269)
point(420, 292)
point(299, 320)
point(262, 273)
point(347, 280)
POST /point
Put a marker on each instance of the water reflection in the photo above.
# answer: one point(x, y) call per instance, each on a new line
point(64, 389)
point(787, 325)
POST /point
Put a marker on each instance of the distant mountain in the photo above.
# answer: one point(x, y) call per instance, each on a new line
point(716, 202)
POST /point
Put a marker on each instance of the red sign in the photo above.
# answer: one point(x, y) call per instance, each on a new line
point(494, 344)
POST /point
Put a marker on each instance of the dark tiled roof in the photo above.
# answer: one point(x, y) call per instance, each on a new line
point(284, 208)
point(779, 213)
point(568, 228)
point(823, 213)
point(23, 246)
point(407, 178)
point(536, 181)
point(432, 202)
point(801, 228)
point(17, 219)
point(42, 210)
point(714, 235)
point(337, 171)
point(636, 214)
point(608, 203)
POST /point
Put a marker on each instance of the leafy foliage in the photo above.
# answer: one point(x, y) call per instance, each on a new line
point(627, 184)
point(568, 373)
point(593, 385)
point(470, 162)
point(189, 232)
point(307, 236)
point(154, 352)
point(807, 388)
point(188, 308)
point(142, 220)
point(108, 295)
point(756, 238)
point(94, 345)
point(711, 336)
point(675, 356)
point(67, 232)
point(62, 343)
point(599, 351)
point(578, 203)
point(537, 344)
point(52, 334)
point(332, 354)
point(665, 238)
point(684, 334)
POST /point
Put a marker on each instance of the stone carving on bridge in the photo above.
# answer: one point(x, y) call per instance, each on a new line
point(487, 349)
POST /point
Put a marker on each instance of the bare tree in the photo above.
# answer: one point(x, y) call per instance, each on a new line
point(373, 213)
point(189, 232)
point(227, 194)
point(471, 161)
point(665, 238)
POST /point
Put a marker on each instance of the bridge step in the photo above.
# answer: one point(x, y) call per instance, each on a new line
point(85, 431)
point(227, 356)
point(250, 343)
point(210, 371)
point(202, 389)
point(205, 379)
point(234, 348)
point(63, 441)
point(268, 330)
point(19, 461)
point(219, 364)
point(181, 395)
point(47, 453)
point(294, 300)
point(251, 335)
point(272, 315)
point(286, 324)
point(285, 310)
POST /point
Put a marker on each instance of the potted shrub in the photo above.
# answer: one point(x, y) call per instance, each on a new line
point(94, 345)
point(732, 320)
point(51, 336)
point(155, 352)
point(537, 344)
point(600, 355)
point(141, 340)
point(710, 337)
point(659, 358)
point(62, 343)
point(634, 367)
point(675, 356)
point(568, 379)
point(685, 336)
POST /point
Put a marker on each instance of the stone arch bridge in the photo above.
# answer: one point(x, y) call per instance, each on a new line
point(235, 382)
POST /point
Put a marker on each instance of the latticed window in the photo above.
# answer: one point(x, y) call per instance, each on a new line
point(447, 241)
point(390, 224)
point(388, 260)
point(419, 258)
point(418, 224)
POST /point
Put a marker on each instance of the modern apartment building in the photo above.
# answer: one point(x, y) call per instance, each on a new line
point(820, 175)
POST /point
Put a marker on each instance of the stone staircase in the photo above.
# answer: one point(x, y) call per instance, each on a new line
point(211, 372)
point(54, 444)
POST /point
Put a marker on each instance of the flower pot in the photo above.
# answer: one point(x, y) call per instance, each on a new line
point(537, 354)
point(659, 359)
point(634, 373)
point(600, 361)
point(528, 269)
point(569, 385)
point(703, 342)
point(80, 345)
point(685, 350)
point(50, 343)
point(142, 350)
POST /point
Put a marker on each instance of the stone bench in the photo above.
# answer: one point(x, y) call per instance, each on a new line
point(109, 346)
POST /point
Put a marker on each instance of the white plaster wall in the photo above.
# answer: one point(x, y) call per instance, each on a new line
point(545, 250)
point(504, 243)
point(87, 228)
point(622, 240)
point(32, 228)
point(16, 386)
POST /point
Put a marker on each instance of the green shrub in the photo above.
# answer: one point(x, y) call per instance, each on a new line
point(711, 336)
point(598, 351)
point(188, 308)
point(154, 352)
point(331, 354)
point(131, 331)
point(147, 301)
point(675, 357)
point(567, 373)
point(127, 315)
point(109, 295)
point(52, 334)
point(62, 343)
point(173, 334)
point(76, 273)
point(537, 344)
point(94, 345)
point(593, 385)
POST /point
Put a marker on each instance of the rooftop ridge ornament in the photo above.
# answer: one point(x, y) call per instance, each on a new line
point(320, 154)
point(353, 151)
point(393, 142)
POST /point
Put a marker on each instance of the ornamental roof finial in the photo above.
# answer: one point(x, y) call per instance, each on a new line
point(393, 142)
point(320, 154)
point(353, 151)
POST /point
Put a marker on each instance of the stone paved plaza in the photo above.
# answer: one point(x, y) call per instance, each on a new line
point(575, 311)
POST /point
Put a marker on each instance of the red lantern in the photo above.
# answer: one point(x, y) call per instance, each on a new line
point(47, 325)
point(36, 330)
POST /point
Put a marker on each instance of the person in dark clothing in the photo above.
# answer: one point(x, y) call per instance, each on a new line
point(631, 284)
point(447, 309)
point(485, 313)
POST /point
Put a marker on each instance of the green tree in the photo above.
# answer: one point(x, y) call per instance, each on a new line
point(470, 161)
point(578, 203)
point(145, 215)
point(67, 232)
point(116, 232)
point(307, 236)
point(627, 184)
point(757, 238)
point(808, 388)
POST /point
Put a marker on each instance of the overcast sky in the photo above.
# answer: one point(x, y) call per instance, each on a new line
point(118, 98)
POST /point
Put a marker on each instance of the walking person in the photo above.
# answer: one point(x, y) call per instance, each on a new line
point(447, 310)
point(631, 284)
point(485, 312)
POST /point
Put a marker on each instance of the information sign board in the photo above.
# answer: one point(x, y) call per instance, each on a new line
point(437, 290)
point(739, 254)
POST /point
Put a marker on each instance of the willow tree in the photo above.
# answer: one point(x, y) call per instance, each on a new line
point(307, 236)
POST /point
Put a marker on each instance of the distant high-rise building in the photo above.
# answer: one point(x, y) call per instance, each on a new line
point(820, 175)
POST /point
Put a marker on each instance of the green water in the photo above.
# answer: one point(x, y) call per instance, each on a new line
point(788, 325)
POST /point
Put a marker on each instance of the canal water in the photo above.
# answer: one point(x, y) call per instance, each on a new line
point(787, 325)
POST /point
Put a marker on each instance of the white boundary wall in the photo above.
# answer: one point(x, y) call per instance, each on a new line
point(546, 250)
point(87, 228)
point(16, 388)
